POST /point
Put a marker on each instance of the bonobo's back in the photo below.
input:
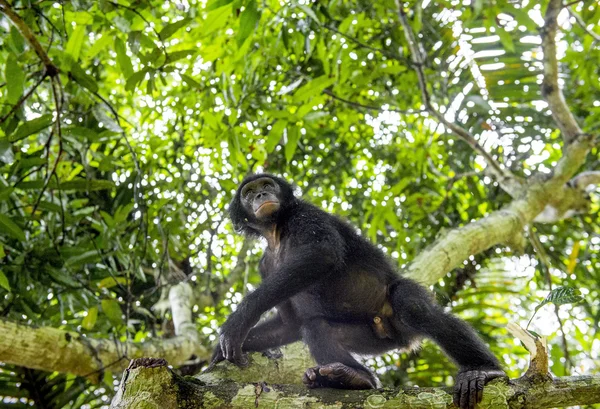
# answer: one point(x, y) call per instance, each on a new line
point(358, 251)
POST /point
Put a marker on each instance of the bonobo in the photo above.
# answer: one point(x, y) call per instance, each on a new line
point(339, 294)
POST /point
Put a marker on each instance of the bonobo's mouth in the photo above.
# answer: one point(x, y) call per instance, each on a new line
point(270, 202)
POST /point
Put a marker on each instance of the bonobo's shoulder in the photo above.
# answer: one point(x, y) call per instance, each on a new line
point(307, 219)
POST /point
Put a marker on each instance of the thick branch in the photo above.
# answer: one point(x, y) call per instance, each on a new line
point(585, 179)
point(505, 178)
point(162, 388)
point(505, 226)
point(51, 68)
point(52, 349)
point(550, 88)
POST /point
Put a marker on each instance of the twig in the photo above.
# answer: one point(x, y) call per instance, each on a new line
point(133, 10)
point(51, 68)
point(505, 178)
point(23, 98)
point(58, 108)
point(369, 107)
point(580, 21)
point(365, 45)
point(550, 89)
point(543, 256)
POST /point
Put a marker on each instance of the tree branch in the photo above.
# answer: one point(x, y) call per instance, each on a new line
point(508, 182)
point(368, 107)
point(585, 179)
point(162, 388)
point(52, 349)
point(550, 89)
point(51, 68)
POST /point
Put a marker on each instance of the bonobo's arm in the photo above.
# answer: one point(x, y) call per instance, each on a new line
point(302, 266)
point(280, 330)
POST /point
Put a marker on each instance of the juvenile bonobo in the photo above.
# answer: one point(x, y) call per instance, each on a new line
point(340, 295)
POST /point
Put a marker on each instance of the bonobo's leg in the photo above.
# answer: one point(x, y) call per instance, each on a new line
point(414, 308)
point(272, 333)
point(337, 368)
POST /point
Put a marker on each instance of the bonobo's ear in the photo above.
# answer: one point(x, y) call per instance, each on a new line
point(237, 213)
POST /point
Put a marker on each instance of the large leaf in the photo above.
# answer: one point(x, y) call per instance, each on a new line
point(4, 281)
point(123, 59)
point(561, 296)
point(248, 20)
point(31, 127)
point(172, 28)
point(15, 79)
point(112, 310)
point(89, 321)
point(312, 88)
point(9, 227)
point(73, 48)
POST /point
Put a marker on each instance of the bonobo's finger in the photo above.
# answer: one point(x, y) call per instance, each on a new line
point(464, 394)
point(472, 393)
point(480, 385)
point(238, 357)
point(457, 387)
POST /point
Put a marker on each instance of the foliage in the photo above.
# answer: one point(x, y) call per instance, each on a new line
point(120, 169)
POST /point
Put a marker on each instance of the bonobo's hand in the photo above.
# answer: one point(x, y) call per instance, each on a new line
point(233, 335)
point(217, 357)
point(468, 389)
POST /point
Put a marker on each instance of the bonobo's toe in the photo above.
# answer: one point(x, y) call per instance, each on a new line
point(338, 375)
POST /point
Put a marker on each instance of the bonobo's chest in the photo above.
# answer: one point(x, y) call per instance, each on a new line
point(273, 255)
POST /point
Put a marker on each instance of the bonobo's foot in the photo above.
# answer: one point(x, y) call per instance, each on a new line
point(338, 375)
point(468, 389)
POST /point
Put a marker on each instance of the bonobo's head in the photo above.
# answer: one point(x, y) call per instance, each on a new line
point(259, 201)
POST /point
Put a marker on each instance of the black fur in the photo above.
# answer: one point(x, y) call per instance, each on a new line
point(339, 293)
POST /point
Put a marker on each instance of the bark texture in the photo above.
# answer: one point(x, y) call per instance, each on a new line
point(53, 349)
point(156, 386)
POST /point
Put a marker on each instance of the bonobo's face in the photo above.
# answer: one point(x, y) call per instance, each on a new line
point(261, 198)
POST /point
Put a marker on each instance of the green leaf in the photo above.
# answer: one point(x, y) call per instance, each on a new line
point(11, 228)
point(215, 4)
point(6, 152)
point(123, 59)
point(61, 277)
point(5, 193)
point(89, 320)
point(293, 135)
point(248, 20)
point(309, 12)
point(99, 45)
point(312, 88)
point(191, 82)
point(15, 80)
point(216, 19)
point(83, 79)
point(561, 296)
point(2, 253)
point(275, 134)
point(172, 28)
point(110, 282)
point(4, 281)
point(135, 79)
point(112, 310)
point(82, 258)
point(31, 127)
point(506, 39)
point(75, 42)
